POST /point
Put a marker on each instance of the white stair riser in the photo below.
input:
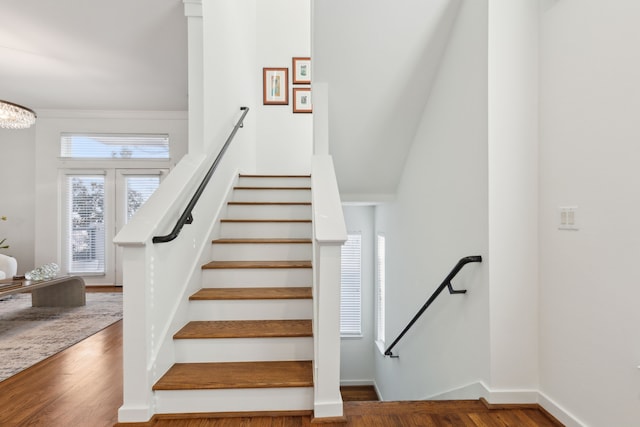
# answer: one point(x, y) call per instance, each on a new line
point(276, 309)
point(271, 195)
point(256, 277)
point(248, 181)
point(243, 350)
point(234, 400)
point(293, 230)
point(260, 252)
point(269, 211)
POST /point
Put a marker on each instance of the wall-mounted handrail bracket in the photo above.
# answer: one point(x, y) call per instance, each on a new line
point(187, 217)
point(454, 291)
point(446, 283)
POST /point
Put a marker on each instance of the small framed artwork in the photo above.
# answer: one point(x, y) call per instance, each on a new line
point(275, 86)
point(302, 100)
point(301, 71)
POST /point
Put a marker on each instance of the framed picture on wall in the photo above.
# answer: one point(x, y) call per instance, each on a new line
point(302, 100)
point(301, 71)
point(275, 86)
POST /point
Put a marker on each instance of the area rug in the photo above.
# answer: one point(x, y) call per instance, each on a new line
point(31, 334)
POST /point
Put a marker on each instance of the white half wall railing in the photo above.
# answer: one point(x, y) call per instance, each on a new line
point(158, 278)
point(329, 234)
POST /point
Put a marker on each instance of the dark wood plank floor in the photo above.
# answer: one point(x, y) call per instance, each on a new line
point(82, 387)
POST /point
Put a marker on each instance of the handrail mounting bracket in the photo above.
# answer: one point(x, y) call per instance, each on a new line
point(453, 291)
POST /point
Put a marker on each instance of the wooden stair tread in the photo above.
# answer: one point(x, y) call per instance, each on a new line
point(271, 188)
point(198, 376)
point(242, 175)
point(270, 203)
point(252, 293)
point(265, 220)
point(206, 329)
point(256, 264)
point(261, 241)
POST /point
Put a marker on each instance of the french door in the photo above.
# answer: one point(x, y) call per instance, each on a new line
point(96, 205)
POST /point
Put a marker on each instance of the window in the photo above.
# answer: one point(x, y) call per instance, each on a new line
point(101, 192)
point(114, 146)
point(138, 189)
point(380, 287)
point(350, 288)
point(85, 224)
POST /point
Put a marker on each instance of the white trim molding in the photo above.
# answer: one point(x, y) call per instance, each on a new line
point(479, 390)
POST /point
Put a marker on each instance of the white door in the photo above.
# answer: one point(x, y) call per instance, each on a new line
point(133, 188)
point(97, 204)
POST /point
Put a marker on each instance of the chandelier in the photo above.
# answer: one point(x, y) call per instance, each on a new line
point(14, 116)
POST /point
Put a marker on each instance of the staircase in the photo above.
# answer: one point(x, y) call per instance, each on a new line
point(249, 345)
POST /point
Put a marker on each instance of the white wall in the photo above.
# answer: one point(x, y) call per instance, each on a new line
point(284, 139)
point(513, 198)
point(240, 38)
point(229, 59)
point(589, 292)
point(440, 216)
point(356, 354)
point(17, 195)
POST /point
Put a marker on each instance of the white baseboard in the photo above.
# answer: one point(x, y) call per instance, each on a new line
point(561, 414)
point(134, 414)
point(479, 390)
point(470, 391)
point(327, 409)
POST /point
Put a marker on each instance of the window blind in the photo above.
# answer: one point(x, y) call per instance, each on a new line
point(85, 224)
point(350, 289)
point(139, 189)
point(114, 146)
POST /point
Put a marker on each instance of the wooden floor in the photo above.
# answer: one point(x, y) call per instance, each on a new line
point(82, 387)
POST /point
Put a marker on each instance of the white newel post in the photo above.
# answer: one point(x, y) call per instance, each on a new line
point(138, 268)
point(327, 400)
point(329, 235)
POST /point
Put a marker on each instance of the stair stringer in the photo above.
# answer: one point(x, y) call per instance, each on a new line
point(164, 355)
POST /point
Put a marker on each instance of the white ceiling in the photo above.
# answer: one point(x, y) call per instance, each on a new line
point(94, 54)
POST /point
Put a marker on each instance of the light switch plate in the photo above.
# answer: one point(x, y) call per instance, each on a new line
point(568, 218)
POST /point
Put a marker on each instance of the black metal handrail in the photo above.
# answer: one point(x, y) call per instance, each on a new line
point(187, 217)
point(446, 283)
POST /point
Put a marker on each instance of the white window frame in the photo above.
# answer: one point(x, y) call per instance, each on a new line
point(380, 293)
point(351, 287)
point(122, 141)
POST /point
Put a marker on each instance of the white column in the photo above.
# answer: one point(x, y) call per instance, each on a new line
point(320, 118)
point(193, 12)
point(513, 199)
